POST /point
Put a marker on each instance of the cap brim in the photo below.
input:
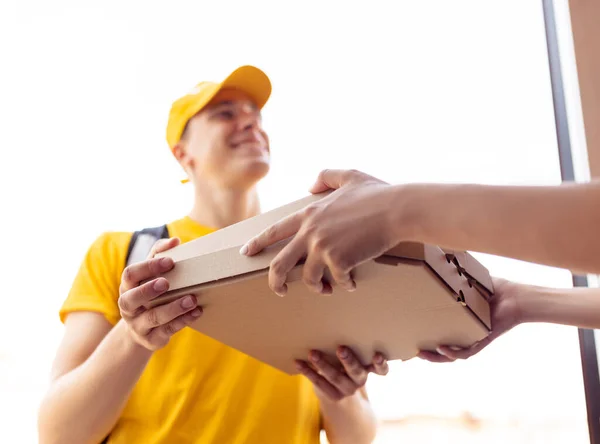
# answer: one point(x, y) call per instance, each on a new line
point(252, 81)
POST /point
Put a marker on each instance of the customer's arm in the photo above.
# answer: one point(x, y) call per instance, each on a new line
point(513, 304)
point(98, 365)
point(553, 225)
point(364, 217)
point(579, 307)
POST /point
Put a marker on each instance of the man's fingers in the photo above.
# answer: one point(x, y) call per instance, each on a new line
point(162, 315)
point(321, 383)
point(379, 366)
point(159, 336)
point(136, 273)
point(132, 300)
point(354, 369)
point(279, 231)
point(335, 377)
point(163, 245)
point(283, 263)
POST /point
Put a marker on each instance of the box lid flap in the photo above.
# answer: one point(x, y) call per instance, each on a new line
point(236, 235)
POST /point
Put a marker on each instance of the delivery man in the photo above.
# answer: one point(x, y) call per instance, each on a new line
point(131, 375)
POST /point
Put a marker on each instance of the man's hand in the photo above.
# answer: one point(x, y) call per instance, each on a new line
point(505, 314)
point(336, 384)
point(350, 226)
point(153, 328)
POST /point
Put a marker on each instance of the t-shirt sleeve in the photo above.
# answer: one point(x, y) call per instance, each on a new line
point(96, 284)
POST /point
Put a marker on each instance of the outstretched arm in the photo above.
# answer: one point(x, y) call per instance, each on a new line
point(514, 304)
point(557, 226)
point(364, 217)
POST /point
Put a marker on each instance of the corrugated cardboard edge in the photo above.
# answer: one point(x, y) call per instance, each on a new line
point(473, 270)
point(473, 297)
point(472, 292)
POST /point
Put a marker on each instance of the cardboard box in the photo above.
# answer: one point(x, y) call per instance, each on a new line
point(414, 297)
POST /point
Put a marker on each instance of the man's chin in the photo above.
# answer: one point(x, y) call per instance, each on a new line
point(252, 171)
point(259, 168)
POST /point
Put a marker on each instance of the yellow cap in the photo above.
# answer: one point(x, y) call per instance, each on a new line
point(248, 79)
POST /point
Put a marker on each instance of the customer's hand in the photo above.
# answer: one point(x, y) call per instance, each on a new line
point(336, 384)
point(340, 231)
point(505, 314)
point(152, 328)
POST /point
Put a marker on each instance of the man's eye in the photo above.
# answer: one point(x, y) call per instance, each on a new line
point(227, 114)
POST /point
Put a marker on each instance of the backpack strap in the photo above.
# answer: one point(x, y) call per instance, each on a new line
point(142, 242)
point(140, 245)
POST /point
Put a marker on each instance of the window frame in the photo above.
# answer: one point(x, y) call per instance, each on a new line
point(587, 341)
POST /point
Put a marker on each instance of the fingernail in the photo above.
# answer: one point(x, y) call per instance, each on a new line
point(196, 312)
point(160, 285)
point(379, 359)
point(188, 302)
point(440, 351)
point(165, 263)
point(244, 250)
point(314, 357)
point(299, 365)
point(344, 353)
point(352, 286)
point(282, 291)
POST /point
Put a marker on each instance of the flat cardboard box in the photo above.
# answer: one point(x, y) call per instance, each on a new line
point(413, 297)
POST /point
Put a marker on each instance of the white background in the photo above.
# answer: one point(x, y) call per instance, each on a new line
point(440, 91)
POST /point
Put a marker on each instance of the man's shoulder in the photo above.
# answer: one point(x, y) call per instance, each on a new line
point(110, 243)
point(119, 242)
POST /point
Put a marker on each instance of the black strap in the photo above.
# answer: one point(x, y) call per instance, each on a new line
point(150, 235)
point(155, 233)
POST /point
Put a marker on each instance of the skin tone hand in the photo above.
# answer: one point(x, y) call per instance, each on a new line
point(321, 230)
point(336, 384)
point(152, 328)
point(505, 315)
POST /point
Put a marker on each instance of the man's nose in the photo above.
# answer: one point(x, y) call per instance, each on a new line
point(249, 121)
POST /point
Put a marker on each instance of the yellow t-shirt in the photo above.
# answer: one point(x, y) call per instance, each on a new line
point(195, 390)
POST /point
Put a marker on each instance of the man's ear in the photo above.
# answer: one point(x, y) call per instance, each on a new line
point(180, 151)
point(181, 154)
